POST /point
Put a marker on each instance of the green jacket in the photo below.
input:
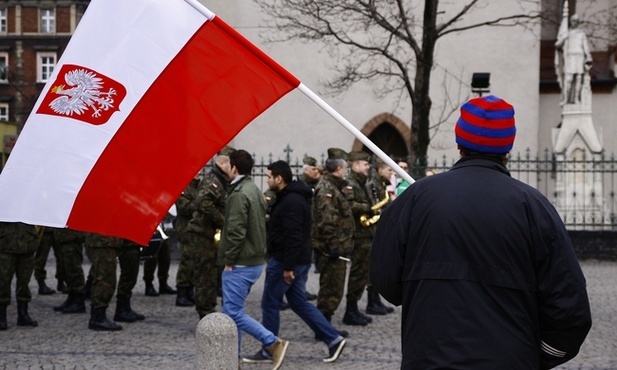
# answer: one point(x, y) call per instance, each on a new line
point(18, 238)
point(243, 239)
point(185, 206)
point(360, 202)
point(209, 205)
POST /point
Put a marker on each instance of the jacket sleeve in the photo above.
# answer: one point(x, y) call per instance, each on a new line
point(236, 226)
point(326, 214)
point(564, 313)
point(206, 205)
point(388, 252)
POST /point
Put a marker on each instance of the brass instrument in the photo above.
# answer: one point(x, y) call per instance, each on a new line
point(217, 237)
point(367, 221)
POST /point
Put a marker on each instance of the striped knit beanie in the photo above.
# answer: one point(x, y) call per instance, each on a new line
point(486, 125)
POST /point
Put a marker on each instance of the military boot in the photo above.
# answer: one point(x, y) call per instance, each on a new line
point(3, 324)
point(150, 291)
point(75, 303)
point(23, 319)
point(353, 316)
point(62, 288)
point(375, 306)
point(166, 289)
point(124, 312)
point(99, 321)
point(44, 289)
point(182, 299)
point(191, 294)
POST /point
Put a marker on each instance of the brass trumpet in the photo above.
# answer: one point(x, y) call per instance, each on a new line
point(367, 221)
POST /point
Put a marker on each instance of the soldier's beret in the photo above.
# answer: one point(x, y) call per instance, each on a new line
point(336, 153)
point(309, 161)
point(359, 156)
point(226, 151)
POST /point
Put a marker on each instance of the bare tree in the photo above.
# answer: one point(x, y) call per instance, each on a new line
point(390, 43)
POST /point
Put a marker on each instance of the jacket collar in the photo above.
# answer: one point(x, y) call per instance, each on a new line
point(481, 161)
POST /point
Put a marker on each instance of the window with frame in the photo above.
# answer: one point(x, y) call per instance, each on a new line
point(48, 21)
point(3, 20)
point(4, 112)
point(46, 64)
point(4, 65)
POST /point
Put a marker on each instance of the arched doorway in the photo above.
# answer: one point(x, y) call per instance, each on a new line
point(389, 133)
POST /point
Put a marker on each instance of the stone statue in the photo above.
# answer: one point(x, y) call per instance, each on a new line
point(573, 60)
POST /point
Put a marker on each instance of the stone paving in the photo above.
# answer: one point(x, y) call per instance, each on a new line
point(166, 339)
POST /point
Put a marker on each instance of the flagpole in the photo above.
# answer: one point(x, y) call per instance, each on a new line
point(351, 128)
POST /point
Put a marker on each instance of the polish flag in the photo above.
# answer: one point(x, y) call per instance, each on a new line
point(145, 93)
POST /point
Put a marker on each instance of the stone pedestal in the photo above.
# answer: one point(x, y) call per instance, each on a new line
point(217, 343)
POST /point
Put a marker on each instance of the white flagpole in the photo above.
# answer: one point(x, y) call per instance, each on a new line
point(351, 128)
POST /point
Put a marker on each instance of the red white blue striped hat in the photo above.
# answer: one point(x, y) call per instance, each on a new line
point(486, 125)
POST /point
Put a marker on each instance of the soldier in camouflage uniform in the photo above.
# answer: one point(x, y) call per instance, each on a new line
point(18, 243)
point(360, 202)
point(378, 191)
point(185, 207)
point(71, 247)
point(102, 252)
point(332, 231)
point(207, 219)
point(310, 176)
point(40, 260)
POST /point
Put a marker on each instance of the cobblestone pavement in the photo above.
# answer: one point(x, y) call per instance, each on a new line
point(166, 339)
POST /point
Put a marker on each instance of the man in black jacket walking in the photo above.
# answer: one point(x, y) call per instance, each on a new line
point(290, 261)
point(481, 262)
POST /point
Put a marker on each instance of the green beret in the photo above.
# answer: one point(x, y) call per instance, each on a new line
point(226, 151)
point(309, 161)
point(359, 156)
point(336, 153)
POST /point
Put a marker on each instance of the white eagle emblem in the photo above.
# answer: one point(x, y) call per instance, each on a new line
point(84, 94)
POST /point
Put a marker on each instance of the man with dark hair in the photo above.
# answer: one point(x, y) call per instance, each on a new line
point(290, 261)
point(242, 251)
point(332, 232)
point(481, 262)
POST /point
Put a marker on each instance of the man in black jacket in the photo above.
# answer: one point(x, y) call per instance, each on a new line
point(290, 261)
point(481, 262)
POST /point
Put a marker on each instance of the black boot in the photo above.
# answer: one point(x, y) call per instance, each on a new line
point(182, 299)
point(150, 291)
point(75, 303)
point(23, 319)
point(124, 312)
point(62, 287)
point(353, 316)
point(166, 289)
point(190, 293)
point(99, 321)
point(64, 304)
point(44, 289)
point(3, 324)
point(375, 306)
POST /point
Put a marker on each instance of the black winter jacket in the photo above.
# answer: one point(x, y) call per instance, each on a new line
point(485, 271)
point(290, 226)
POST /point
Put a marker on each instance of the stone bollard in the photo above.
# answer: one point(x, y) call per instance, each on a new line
point(217, 343)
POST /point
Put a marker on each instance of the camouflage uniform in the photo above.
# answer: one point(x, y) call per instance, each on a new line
point(102, 252)
point(40, 258)
point(333, 229)
point(71, 247)
point(185, 208)
point(360, 203)
point(18, 243)
point(208, 217)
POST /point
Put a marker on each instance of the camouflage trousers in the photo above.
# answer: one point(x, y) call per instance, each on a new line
point(20, 265)
point(184, 276)
point(72, 262)
point(103, 273)
point(42, 254)
point(331, 285)
point(359, 271)
point(205, 273)
point(162, 260)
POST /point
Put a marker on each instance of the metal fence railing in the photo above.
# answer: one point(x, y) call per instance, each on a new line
point(582, 188)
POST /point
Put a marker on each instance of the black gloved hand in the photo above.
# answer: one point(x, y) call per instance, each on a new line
point(334, 255)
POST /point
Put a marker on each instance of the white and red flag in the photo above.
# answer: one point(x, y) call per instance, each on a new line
point(144, 94)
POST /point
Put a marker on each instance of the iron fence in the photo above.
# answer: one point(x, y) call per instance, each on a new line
point(581, 187)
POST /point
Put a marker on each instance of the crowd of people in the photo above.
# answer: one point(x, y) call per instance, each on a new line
point(480, 262)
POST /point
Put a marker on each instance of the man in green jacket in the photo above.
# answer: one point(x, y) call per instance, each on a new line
point(242, 252)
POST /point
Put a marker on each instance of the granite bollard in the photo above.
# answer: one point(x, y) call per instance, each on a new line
point(217, 343)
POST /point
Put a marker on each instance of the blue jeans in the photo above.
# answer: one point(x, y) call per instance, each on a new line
point(236, 287)
point(274, 289)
